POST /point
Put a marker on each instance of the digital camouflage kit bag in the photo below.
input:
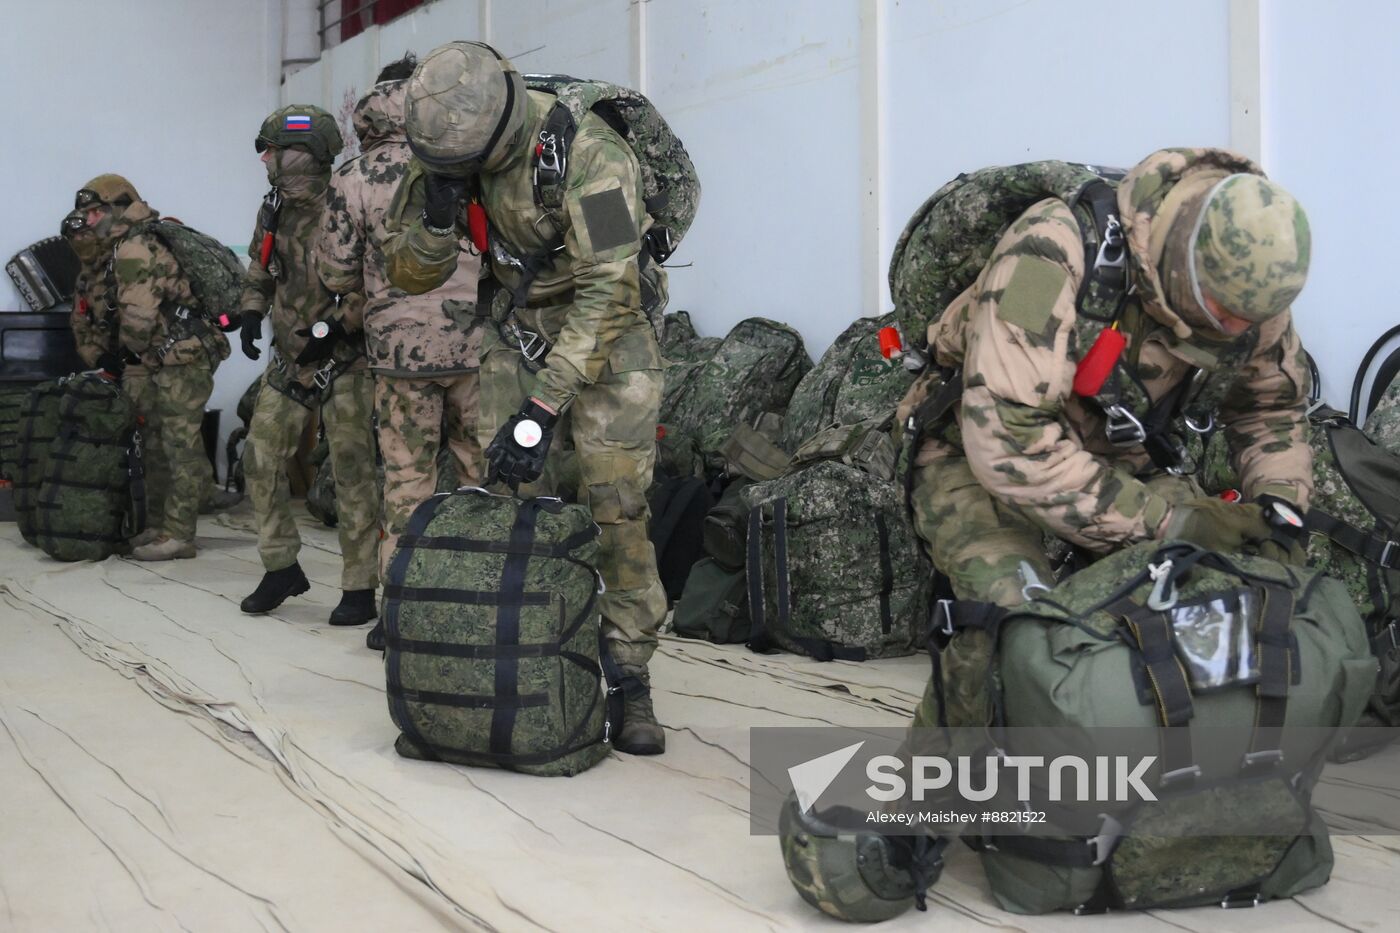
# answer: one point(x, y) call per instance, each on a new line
point(91, 494)
point(1233, 642)
point(11, 403)
point(834, 568)
point(34, 433)
point(493, 638)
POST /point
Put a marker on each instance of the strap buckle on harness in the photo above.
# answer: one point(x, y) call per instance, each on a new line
point(944, 607)
point(1260, 761)
point(1233, 900)
point(532, 345)
point(1384, 561)
point(1123, 427)
point(1112, 253)
point(1196, 426)
point(548, 157)
point(322, 377)
point(1387, 634)
point(1187, 776)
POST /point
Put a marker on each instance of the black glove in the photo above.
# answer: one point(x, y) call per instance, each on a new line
point(112, 365)
point(1288, 543)
point(444, 194)
point(251, 330)
point(322, 338)
point(517, 453)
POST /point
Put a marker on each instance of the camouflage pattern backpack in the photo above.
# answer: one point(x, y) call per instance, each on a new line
point(35, 432)
point(1094, 653)
point(11, 402)
point(494, 650)
point(852, 382)
point(670, 185)
point(951, 236)
point(753, 370)
point(834, 568)
point(214, 271)
point(92, 496)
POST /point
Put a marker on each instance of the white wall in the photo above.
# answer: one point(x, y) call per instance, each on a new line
point(818, 126)
point(169, 93)
point(1331, 104)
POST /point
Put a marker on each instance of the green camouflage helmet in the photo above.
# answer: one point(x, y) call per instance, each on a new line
point(1252, 247)
point(301, 125)
point(110, 189)
point(860, 877)
point(465, 107)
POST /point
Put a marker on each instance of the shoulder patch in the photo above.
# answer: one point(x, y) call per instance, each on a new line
point(610, 223)
point(1028, 301)
point(128, 270)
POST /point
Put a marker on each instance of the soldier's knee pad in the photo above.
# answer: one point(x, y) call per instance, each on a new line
point(860, 877)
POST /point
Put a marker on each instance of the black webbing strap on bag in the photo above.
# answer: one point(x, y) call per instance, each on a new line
point(136, 482)
point(1372, 547)
point(1275, 673)
point(1152, 631)
point(886, 575)
point(507, 686)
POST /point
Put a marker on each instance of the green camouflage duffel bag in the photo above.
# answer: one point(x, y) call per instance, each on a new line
point(1235, 642)
point(834, 568)
point(493, 638)
point(11, 403)
point(35, 432)
point(92, 495)
point(714, 605)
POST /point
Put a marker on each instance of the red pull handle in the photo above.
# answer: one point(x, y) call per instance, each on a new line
point(476, 225)
point(265, 254)
point(890, 343)
point(1092, 371)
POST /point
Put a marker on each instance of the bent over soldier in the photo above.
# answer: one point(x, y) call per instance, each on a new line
point(140, 318)
point(571, 355)
point(317, 363)
point(424, 350)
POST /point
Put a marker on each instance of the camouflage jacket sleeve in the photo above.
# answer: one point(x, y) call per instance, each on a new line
point(1265, 417)
point(1018, 375)
point(602, 219)
point(340, 244)
point(90, 344)
point(415, 259)
point(258, 284)
point(147, 277)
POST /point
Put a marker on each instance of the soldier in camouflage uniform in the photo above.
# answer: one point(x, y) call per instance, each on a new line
point(424, 350)
point(1217, 254)
point(318, 363)
point(164, 354)
point(577, 357)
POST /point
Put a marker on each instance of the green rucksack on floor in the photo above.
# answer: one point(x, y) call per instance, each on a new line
point(714, 605)
point(852, 382)
point(753, 370)
point(34, 433)
point(11, 403)
point(834, 568)
point(494, 652)
point(1093, 653)
point(92, 494)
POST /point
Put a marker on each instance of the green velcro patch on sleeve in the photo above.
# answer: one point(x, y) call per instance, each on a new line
point(1028, 301)
point(128, 270)
point(610, 223)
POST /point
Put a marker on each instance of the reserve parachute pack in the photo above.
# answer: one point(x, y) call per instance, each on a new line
point(834, 568)
point(215, 273)
point(34, 434)
point(494, 652)
point(92, 494)
point(852, 382)
point(944, 246)
point(1166, 637)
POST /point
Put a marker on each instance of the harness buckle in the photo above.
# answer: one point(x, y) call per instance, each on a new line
point(944, 607)
point(1123, 427)
point(1258, 761)
point(548, 157)
point(1112, 252)
point(1198, 428)
point(533, 348)
point(1187, 776)
point(1233, 901)
point(322, 376)
point(1384, 560)
point(1160, 600)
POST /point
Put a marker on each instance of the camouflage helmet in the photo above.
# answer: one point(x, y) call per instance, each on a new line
point(301, 125)
point(465, 107)
point(113, 190)
point(1251, 249)
point(860, 877)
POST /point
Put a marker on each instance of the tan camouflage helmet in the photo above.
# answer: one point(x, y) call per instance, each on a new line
point(106, 189)
point(465, 108)
point(301, 125)
point(1252, 247)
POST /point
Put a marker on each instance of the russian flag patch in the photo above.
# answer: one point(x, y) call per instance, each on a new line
point(298, 123)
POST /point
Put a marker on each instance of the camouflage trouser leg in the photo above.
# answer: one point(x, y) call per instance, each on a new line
point(139, 387)
point(612, 426)
point(177, 410)
point(273, 436)
point(346, 411)
point(411, 425)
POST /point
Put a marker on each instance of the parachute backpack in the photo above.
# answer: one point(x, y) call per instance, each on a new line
point(214, 271)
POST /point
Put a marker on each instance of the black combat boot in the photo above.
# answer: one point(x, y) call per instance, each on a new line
point(356, 608)
point(640, 734)
point(374, 641)
point(276, 587)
